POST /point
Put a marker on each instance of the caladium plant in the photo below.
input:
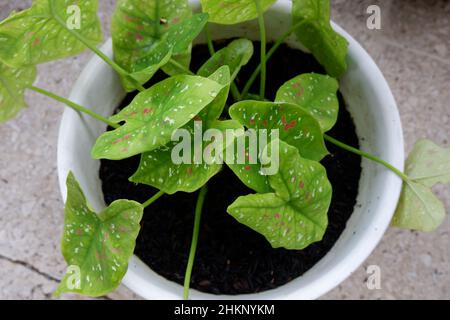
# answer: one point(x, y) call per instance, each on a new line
point(289, 207)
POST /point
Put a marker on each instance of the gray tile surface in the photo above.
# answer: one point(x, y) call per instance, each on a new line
point(413, 51)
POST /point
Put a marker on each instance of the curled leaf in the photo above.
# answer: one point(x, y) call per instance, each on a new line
point(315, 93)
point(316, 33)
point(295, 215)
point(13, 82)
point(233, 11)
point(235, 55)
point(97, 247)
point(41, 33)
point(154, 114)
point(418, 208)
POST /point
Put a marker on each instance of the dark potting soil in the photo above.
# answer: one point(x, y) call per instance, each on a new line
point(231, 258)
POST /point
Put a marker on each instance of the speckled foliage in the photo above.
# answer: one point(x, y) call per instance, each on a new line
point(233, 11)
point(97, 245)
point(40, 33)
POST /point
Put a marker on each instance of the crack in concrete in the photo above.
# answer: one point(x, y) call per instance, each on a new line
point(30, 267)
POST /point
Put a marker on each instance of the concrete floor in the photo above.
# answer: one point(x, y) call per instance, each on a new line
point(413, 51)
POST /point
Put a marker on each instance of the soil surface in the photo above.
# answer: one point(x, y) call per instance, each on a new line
point(231, 258)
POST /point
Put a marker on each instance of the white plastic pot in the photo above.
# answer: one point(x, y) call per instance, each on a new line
point(369, 101)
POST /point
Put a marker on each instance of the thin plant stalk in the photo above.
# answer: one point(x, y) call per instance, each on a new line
point(74, 106)
point(195, 233)
point(369, 156)
point(158, 195)
point(262, 31)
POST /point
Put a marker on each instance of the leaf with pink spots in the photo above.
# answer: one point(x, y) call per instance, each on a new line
point(97, 247)
point(158, 168)
point(296, 126)
point(314, 93)
point(40, 33)
point(13, 82)
point(233, 11)
point(154, 114)
point(295, 214)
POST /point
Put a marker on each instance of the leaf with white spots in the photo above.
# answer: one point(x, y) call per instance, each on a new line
point(235, 55)
point(13, 82)
point(418, 208)
point(97, 246)
point(295, 215)
point(296, 126)
point(158, 168)
point(316, 33)
point(146, 37)
point(315, 93)
point(154, 114)
point(40, 33)
point(233, 11)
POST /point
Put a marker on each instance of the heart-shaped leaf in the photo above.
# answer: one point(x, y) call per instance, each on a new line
point(315, 93)
point(233, 11)
point(158, 167)
point(147, 36)
point(295, 215)
point(97, 247)
point(41, 33)
point(235, 55)
point(13, 82)
point(296, 126)
point(154, 114)
point(418, 208)
point(316, 33)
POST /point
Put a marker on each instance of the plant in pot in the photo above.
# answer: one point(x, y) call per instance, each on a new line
point(266, 149)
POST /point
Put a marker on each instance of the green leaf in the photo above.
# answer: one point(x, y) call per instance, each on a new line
point(213, 111)
point(154, 114)
point(315, 93)
point(418, 208)
point(182, 59)
point(295, 215)
point(40, 33)
point(145, 39)
point(296, 126)
point(97, 247)
point(233, 11)
point(13, 82)
point(235, 55)
point(158, 168)
point(316, 33)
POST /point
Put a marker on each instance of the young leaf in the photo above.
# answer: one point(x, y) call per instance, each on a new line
point(97, 247)
point(418, 208)
point(235, 55)
point(13, 82)
point(296, 126)
point(40, 33)
point(296, 214)
point(233, 11)
point(316, 33)
point(154, 114)
point(158, 169)
point(315, 93)
point(143, 44)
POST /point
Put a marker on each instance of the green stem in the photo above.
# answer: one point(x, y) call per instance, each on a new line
point(262, 31)
point(153, 199)
point(190, 264)
point(369, 156)
point(270, 53)
point(209, 41)
point(181, 67)
point(98, 52)
point(74, 106)
point(235, 92)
